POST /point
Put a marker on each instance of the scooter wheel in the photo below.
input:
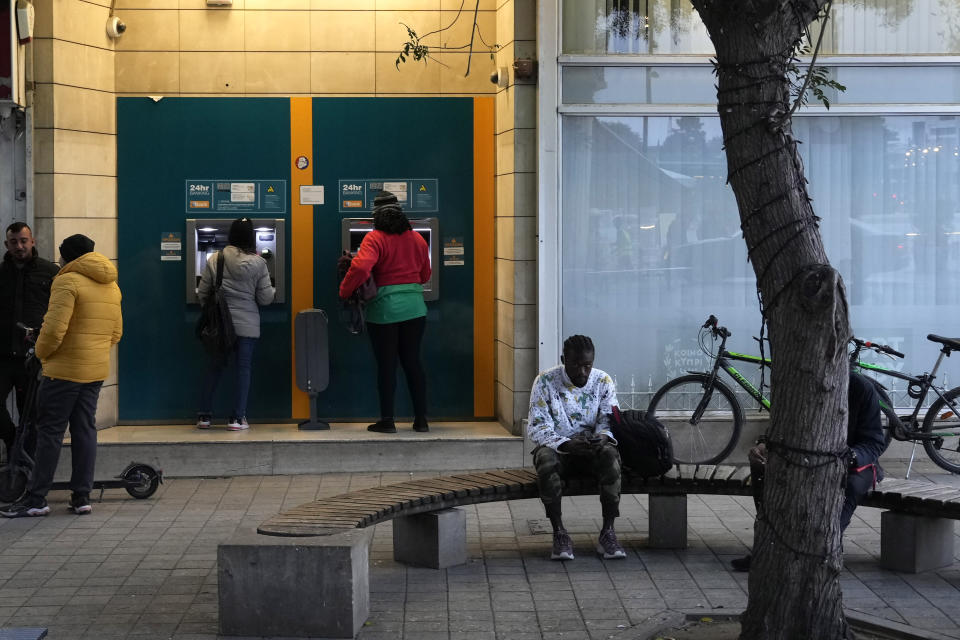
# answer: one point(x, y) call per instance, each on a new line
point(143, 481)
point(13, 483)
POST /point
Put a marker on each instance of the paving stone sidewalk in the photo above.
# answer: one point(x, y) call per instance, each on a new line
point(147, 568)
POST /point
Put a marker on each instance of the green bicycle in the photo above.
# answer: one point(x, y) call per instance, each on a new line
point(702, 413)
point(940, 430)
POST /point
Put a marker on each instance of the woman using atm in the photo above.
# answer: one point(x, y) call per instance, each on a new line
point(399, 260)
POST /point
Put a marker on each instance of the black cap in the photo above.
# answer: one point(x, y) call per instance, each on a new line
point(75, 246)
point(384, 197)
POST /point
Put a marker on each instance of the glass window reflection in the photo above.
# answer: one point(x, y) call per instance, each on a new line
point(651, 240)
point(855, 27)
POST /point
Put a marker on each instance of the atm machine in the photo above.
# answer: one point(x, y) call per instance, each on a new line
point(206, 236)
point(353, 230)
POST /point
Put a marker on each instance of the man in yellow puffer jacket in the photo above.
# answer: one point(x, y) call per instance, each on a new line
point(82, 323)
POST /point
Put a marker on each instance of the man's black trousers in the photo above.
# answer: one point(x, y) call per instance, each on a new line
point(62, 402)
point(13, 376)
point(858, 485)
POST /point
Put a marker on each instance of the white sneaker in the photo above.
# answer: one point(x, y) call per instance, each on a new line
point(203, 421)
point(238, 424)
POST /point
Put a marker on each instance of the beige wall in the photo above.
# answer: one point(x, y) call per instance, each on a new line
point(297, 47)
point(516, 248)
point(75, 137)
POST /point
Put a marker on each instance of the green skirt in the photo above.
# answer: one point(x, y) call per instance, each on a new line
point(396, 303)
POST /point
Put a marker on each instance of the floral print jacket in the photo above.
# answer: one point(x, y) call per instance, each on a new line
point(559, 410)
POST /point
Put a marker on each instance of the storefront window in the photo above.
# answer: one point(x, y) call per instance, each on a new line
point(680, 84)
point(651, 240)
point(856, 27)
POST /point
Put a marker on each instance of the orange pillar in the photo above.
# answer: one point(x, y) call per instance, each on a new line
point(301, 234)
point(484, 310)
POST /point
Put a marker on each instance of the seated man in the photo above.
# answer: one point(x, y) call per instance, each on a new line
point(570, 408)
point(865, 443)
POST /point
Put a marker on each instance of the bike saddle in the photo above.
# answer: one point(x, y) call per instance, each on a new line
point(952, 343)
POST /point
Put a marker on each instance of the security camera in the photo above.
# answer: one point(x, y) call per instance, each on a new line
point(500, 77)
point(115, 27)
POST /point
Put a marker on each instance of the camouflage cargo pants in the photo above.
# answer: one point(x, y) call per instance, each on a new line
point(553, 468)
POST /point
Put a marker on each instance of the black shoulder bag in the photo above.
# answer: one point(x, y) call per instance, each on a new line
point(215, 325)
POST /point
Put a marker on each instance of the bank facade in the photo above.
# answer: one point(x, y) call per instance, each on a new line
point(587, 196)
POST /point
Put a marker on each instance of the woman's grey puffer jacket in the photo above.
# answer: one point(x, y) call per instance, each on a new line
point(246, 284)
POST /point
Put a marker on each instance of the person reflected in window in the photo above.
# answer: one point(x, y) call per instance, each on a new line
point(399, 260)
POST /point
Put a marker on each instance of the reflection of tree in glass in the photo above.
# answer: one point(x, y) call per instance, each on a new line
point(893, 16)
point(628, 20)
point(950, 19)
point(687, 135)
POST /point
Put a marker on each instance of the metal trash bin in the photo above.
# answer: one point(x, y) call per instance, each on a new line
point(312, 353)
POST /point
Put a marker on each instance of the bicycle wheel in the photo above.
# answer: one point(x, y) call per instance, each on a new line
point(714, 435)
point(943, 421)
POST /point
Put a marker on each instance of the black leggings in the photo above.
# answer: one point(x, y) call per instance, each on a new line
point(393, 341)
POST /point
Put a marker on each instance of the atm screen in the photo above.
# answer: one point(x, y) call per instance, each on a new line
point(207, 236)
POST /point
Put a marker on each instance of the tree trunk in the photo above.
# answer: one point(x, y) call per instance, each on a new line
point(794, 580)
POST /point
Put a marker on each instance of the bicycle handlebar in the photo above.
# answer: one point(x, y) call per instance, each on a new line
point(713, 324)
point(29, 333)
point(880, 348)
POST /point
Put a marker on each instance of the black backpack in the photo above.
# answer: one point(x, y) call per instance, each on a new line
point(215, 325)
point(643, 441)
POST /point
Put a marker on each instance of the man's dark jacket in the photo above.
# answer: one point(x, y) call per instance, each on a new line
point(864, 429)
point(24, 294)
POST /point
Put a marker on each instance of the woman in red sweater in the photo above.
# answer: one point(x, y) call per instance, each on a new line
point(399, 260)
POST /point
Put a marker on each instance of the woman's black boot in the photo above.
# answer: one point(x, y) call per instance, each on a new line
point(383, 426)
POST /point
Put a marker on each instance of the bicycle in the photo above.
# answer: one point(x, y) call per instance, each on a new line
point(941, 444)
point(702, 413)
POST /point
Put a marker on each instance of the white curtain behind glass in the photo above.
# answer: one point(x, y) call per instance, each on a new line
point(651, 241)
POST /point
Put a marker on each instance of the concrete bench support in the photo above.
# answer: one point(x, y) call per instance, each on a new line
point(668, 521)
point(913, 544)
point(295, 587)
point(436, 540)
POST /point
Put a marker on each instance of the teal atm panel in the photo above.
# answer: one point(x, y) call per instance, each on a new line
point(423, 146)
point(163, 147)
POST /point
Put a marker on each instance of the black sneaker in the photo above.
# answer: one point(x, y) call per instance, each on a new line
point(80, 504)
point(741, 564)
point(420, 424)
point(383, 426)
point(26, 507)
point(562, 546)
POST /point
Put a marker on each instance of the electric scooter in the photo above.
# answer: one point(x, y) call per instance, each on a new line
point(139, 479)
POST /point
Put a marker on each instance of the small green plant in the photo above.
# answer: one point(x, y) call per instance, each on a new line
point(811, 80)
point(415, 49)
point(810, 77)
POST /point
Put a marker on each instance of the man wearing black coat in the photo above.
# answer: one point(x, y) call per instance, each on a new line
point(25, 280)
point(865, 443)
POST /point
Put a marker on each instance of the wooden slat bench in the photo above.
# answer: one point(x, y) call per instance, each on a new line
point(367, 507)
point(916, 535)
